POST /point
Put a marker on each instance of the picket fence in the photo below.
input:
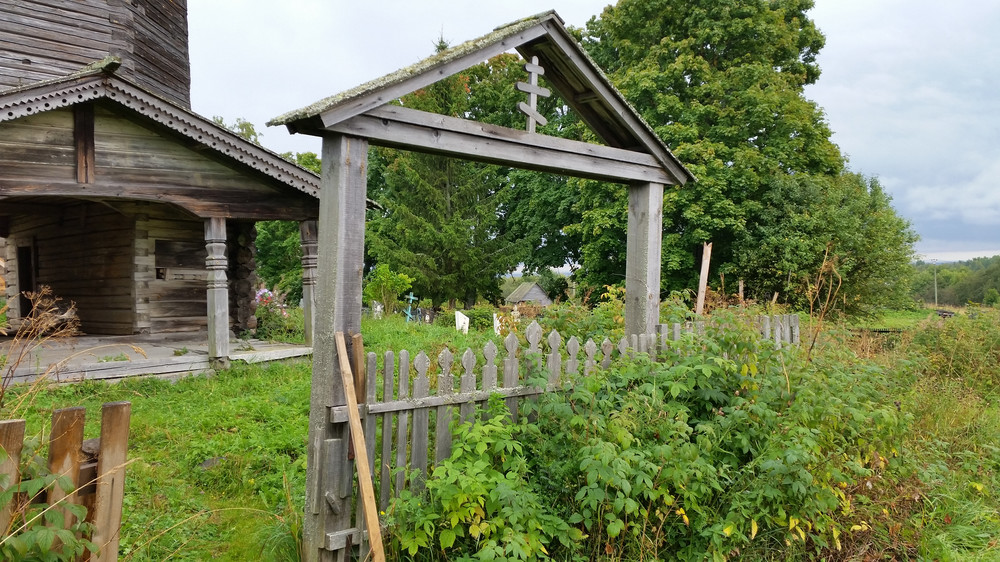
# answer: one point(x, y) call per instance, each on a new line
point(96, 469)
point(398, 421)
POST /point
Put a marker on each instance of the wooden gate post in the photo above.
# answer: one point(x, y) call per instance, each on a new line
point(328, 530)
point(643, 255)
point(307, 237)
point(218, 292)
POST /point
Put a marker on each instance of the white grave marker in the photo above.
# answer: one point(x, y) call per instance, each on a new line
point(461, 322)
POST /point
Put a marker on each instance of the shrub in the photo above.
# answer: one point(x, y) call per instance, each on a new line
point(480, 502)
point(385, 286)
point(725, 446)
point(276, 321)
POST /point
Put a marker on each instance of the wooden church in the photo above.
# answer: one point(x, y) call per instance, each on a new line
point(113, 192)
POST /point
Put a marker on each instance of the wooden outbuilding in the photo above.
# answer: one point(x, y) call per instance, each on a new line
point(529, 292)
point(113, 192)
point(350, 121)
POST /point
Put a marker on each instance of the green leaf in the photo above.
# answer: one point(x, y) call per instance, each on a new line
point(447, 538)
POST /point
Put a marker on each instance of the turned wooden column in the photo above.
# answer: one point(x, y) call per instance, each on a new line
point(643, 255)
point(218, 292)
point(307, 235)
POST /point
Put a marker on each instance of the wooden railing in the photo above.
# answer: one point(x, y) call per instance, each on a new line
point(408, 425)
point(95, 468)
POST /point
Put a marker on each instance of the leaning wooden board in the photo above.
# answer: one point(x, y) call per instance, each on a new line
point(360, 453)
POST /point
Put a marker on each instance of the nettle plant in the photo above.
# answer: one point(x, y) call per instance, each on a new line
point(38, 530)
point(481, 503)
point(725, 446)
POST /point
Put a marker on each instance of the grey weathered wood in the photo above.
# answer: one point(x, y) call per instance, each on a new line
point(606, 348)
point(468, 385)
point(643, 257)
point(795, 329)
point(218, 292)
point(370, 424)
point(421, 420)
point(338, 309)
point(11, 441)
point(533, 356)
point(445, 414)
point(590, 363)
point(308, 240)
point(393, 89)
point(624, 349)
point(402, 430)
point(107, 516)
point(554, 359)
point(511, 371)
point(787, 325)
point(65, 457)
point(385, 460)
point(572, 363)
point(410, 129)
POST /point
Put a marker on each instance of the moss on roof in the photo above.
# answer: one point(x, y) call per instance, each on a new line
point(444, 57)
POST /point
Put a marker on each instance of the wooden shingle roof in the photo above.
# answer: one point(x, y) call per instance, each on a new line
point(568, 68)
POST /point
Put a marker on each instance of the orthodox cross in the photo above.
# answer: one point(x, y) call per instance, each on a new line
point(533, 90)
point(412, 299)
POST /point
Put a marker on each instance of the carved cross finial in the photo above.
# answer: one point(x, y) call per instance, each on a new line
point(533, 90)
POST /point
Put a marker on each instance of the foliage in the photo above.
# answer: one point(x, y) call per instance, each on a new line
point(250, 421)
point(276, 321)
point(481, 317)
point(721, 83)
point(442, 223)
point(39, 530)
point(279, 257)
point(241, 127)
point(385, 286)
point(480, 502)
point(958, 283)
point(556, 286)
point(704, 455)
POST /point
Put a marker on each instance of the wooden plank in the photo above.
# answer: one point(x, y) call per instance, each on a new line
point(385, 477)
point(643, 257)
point(83, 135)
point(363, 466)
point(111, 462)
point(511, 372)
point(468, 385)
point(11, 440)
point(65, 457)
point(404, 417)
point(414, 81)
point(421, 420)
point(444, 414)
point(451, 136)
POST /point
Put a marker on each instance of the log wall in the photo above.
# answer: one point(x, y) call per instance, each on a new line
point(84, 253)
point(171, 280)
point(45, 39)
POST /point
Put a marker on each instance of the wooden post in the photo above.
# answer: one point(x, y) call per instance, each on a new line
point(218, 292)
point(11, 441)
point(643, 255)
point(706, 259)
point(107, 517)
point(307, 235)
point(65, 458)
point(341, 239)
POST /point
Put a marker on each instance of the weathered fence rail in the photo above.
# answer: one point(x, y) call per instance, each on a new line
point(409, 406)
point(96, 469)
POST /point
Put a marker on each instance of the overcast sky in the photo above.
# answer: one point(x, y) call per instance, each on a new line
point(911, 90)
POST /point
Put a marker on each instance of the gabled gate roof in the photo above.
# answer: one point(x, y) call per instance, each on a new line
point(568, 68)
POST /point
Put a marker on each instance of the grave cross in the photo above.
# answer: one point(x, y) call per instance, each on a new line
point(533, 90)
point(409, 307)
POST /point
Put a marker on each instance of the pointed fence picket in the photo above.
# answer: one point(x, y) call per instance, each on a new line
point(414, 422)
